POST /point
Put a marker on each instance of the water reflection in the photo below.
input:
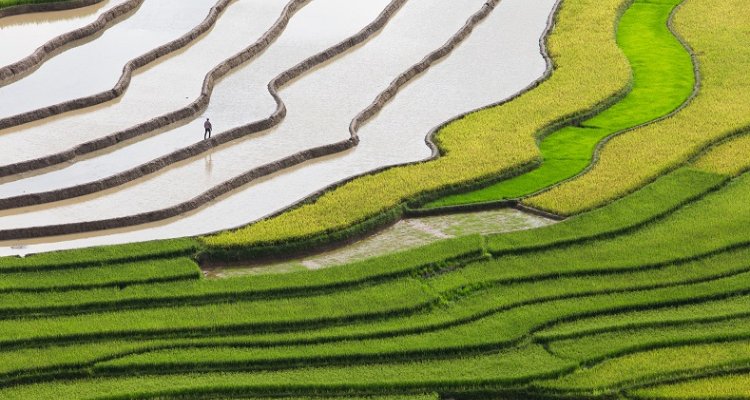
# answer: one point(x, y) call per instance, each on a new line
point(209, 163)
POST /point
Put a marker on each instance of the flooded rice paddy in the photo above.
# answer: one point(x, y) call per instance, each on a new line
point(404, 235)
point(501, 57)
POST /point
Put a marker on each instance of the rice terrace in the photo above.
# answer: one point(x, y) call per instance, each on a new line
point(375, 199)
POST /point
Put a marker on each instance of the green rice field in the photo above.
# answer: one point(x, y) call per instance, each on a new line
point(422, 281)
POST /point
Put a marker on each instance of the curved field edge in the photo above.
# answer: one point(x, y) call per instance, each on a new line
point(664, 79)
point(343, 270)
point(197, 106)
point(130, 68)
point(668, 195)
point(472, 148)
point(16, 7)
point(280, 164)
point(468, 362)
point(673, 191)
point(23, 67)
point(415, 377)
point(471, 373)
point(468, 336)
point(661, 364)
point(210, 387)
point(471, 361)
point(719, 112)
point(725, 386)
point(688, 23)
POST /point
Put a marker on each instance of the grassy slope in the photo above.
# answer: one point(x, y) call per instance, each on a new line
point(630, 161)
point(481, 145)
point(116, 275)
point(718, 64)
point(663, 79)
point(656, 364)
point(539, 281)
point(657, 199)
point(723, 159)
point(100, 255)
point(730, 386)
point(505, 326)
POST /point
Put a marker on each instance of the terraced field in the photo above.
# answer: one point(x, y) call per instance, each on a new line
point(662, 81)
point(247, 266)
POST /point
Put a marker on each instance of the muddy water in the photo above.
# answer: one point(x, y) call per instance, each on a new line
point(240, 98)
point(403, 235)
point(499, 58)
point(320, 107)
point(97, 65)
point(20, 35)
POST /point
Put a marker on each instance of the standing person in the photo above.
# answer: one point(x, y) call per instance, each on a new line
point(209, 128)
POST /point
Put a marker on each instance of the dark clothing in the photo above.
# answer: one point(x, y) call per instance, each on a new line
point(209, 128)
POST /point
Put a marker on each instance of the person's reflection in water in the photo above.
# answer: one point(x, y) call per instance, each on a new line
point(209, 164)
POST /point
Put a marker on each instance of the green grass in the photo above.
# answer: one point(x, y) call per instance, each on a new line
point(115, 275)
point(503, 329)
point(678, 316)
point(420, 304)
point(633, 160)
point(652, 289)
point(443, 255)
point(97, 256)
point(474, 305)
point(498, 329)
point(494, 318)
point(516, 366)
point(409, 306)
point(480, 146)
point(656, 244)
point(663, 79)
point(403, 296)
point(654, 201)
point(720, 227)
point(729, 386)
point(492, 369)
point(657, 365)
point(674, 331)
point(482, 334)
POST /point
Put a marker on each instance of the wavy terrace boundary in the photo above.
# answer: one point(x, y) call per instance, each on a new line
point(731, 384)
point(282, 243)
point(634, 297)
point(603, 143)
point(677, 373)
point(57, 306)
point(267, 169)
point(420, 378)
point(119, 88)
point(631, 161)
point(391, 211)
point(35, 6)
point(434, 347)
point(607, 123)
point(18, 70)
point(469, 349)
point(198, 106)
point(120, 353)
